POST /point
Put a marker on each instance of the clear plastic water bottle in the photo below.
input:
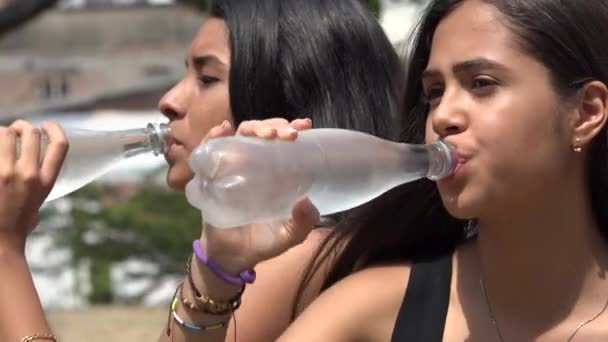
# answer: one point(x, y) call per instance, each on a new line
point(93, 153)
point(242, 180)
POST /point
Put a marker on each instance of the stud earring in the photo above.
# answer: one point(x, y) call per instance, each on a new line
point(577, 145)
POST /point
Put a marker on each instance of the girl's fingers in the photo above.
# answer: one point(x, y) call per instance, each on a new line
point(29, 146)
point(8, 143)
point(222, 130)
point(55, 153)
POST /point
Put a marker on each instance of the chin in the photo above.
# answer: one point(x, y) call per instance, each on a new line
point(178, 177)
point(460, 207)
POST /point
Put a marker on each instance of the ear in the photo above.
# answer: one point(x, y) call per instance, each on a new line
point(591, 113)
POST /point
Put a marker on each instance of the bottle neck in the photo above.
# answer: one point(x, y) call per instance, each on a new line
point(441, 160)
point(433, 161)
point(153, 138)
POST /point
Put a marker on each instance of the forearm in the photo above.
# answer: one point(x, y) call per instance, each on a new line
point(21, 312)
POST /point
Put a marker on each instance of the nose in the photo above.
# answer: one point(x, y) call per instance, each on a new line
point(449, 117)
point(174, 103)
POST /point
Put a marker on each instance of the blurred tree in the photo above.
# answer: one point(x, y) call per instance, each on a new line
point(374, 6)
point(154, 226)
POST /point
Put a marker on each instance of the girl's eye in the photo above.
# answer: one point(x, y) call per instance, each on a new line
point(433, 93)
point(482, 82)
point(207, 80)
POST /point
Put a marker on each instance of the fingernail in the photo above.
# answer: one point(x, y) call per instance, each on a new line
point(226, 124)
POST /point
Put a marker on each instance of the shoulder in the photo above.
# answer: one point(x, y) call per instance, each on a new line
point(361, 307)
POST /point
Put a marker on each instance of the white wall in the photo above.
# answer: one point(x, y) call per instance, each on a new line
point(398, 17)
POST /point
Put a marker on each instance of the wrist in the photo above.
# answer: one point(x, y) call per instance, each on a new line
point(207, 283)
point(244, 277)
point(11, 248)
point(230, 262)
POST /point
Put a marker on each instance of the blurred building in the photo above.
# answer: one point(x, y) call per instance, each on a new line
point(84, 57)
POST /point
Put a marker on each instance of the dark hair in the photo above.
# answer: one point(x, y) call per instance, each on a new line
point(326, 60)
point(409, 222)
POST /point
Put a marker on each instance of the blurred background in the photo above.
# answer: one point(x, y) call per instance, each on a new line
point(107, 258)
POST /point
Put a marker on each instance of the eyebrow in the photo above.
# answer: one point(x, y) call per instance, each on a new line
point(201, 61)
point(477, 63)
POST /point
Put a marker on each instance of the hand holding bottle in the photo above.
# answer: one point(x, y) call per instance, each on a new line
point(27, 179)
point(243, 247)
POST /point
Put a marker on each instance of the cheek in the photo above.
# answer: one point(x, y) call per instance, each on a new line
point(200, 124)
point(524, 148)
point(210, 109)
point(513, 123)
point(429, 135)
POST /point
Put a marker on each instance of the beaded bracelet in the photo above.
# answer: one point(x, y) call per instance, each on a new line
point(36, 337)
point(209, 305)
point(191, 326)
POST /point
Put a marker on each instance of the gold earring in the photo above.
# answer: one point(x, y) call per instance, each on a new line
point(577, 145)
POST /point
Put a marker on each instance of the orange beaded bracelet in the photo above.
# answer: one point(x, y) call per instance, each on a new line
point(36, 337)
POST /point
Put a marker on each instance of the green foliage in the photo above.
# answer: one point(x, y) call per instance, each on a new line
point(374, 6)
point(152, 225)
point(100, 277)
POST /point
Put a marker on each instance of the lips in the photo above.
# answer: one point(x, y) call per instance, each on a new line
point(461, 160)
point(174, 145)
point(459, 165)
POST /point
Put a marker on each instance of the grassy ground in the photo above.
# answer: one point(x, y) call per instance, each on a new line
point(109, 324)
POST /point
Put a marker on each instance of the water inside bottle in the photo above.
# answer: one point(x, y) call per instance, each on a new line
point(240, 180)
point(79, 168)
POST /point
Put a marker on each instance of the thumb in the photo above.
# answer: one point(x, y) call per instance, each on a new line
point(304, 217)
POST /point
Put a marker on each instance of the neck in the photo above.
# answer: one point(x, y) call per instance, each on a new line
point(541, 265)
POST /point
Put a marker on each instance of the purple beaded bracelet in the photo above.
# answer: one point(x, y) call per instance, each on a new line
point(247, 276)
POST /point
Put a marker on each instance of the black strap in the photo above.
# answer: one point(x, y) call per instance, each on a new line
point(425, 304)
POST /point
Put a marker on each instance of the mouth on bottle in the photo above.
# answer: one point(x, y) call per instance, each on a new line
point(161, 138)
point(443, 161)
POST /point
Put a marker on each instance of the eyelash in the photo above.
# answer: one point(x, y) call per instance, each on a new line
point(435, 92)
point(207, 80)
point(432, 93)
point(488, 82)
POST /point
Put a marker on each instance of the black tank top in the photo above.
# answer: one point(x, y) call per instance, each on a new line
point(424, 308)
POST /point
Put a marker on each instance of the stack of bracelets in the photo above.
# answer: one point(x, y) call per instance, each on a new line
point(202, 302)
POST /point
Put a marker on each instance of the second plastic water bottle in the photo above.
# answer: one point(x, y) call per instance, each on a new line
point(242, 180)
point(92, 153)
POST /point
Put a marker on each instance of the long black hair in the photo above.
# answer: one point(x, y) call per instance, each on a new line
point(326, 60)
point(409, 222)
